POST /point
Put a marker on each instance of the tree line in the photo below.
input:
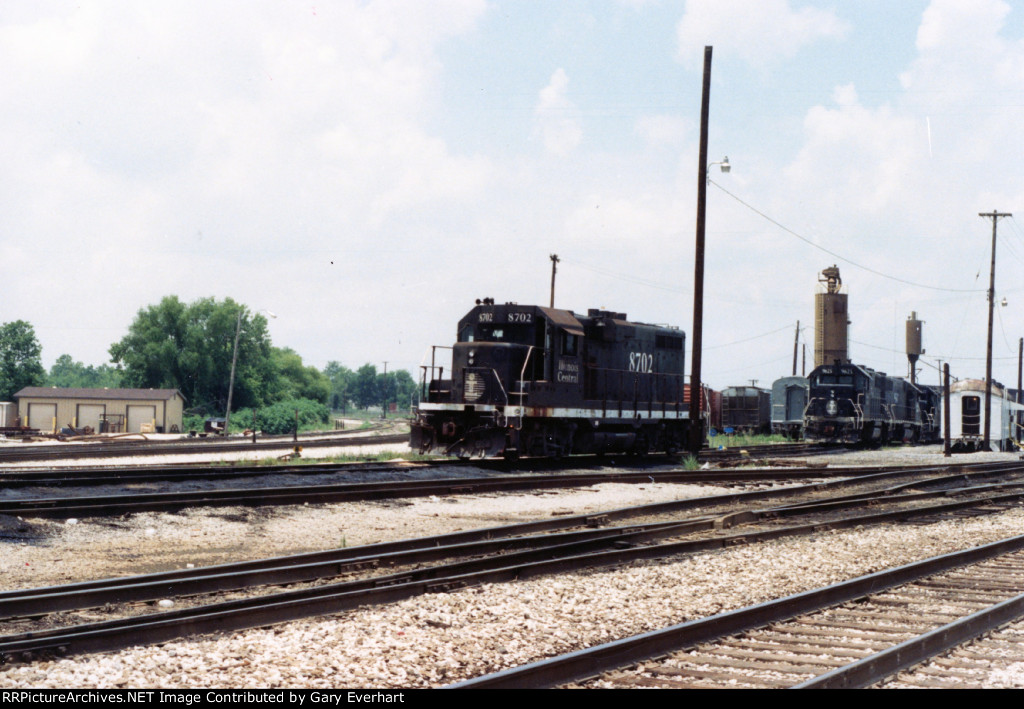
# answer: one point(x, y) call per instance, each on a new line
point(189, 347)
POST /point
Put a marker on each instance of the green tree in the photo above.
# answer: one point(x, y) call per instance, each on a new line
point(365, 390)
point(20, 359)
point(189, 347)
point(386, 389)
point(407, 392)
point(66, 372)
point(297, 381)
point(342, 384)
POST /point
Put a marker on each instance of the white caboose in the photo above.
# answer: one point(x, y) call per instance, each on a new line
point(967, 416)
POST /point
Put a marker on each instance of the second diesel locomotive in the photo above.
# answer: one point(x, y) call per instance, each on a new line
point(849, 403)
point(530, 380)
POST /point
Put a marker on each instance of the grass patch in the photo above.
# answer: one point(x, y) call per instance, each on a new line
point(739, 440)
point(690, 462)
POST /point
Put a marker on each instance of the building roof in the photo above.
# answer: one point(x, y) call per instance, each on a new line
point(82, 393)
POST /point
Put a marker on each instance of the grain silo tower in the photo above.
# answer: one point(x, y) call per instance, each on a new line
point(831, 324)
point(914, 349)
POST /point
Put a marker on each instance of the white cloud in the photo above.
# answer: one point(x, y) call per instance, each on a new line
point(758, 32)
point(873, 149)
point(203, 149)
point(662, 130)
point(556, 117)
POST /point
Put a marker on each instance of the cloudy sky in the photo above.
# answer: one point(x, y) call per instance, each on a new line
point(366, 170)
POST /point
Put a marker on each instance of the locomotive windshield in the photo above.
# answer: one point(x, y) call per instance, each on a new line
point(846, 379)
point(516, 334)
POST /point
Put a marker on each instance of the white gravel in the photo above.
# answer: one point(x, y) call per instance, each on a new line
point(437, 639)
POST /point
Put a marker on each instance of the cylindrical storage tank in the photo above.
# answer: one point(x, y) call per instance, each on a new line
point(830, 329)
point(914, 335)
point(914, 349)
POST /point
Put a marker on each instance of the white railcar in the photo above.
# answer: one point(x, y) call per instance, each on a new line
point(967, 416)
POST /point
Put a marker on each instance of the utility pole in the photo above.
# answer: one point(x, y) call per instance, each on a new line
point(994, 215)
point(1020, 364)
point(384, 408)
point(554, 269)
point(231, 379)
point(696, 424)
point(945, 411)
point(796, 345)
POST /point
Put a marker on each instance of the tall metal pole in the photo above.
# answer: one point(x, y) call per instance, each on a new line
point(554, 269)
point(991, 304)
point(696, 425)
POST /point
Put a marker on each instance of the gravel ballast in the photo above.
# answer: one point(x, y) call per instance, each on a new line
point(437, 639)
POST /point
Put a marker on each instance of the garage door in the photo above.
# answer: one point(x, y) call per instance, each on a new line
point(41, 416)
point(138, 415)
point(89, 415)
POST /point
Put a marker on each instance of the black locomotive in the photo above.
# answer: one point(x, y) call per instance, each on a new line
point(852, 404)
point(530, 380)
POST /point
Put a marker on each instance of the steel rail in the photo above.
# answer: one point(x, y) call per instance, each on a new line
point(591, 662)
point(332, 598)
point(33, 602)
point(107, 505)
point(187, 446)
point(334, 562)
point(875, 668)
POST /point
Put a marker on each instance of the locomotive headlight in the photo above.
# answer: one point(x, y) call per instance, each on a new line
point(472, 354)
point(831, 408)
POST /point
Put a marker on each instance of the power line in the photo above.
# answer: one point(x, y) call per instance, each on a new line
point(748, 339)
point(833, 253)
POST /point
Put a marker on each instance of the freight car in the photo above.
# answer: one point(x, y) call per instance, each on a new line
point(530, 380)
point(789, 399)
point(746, 409)
point(849, 403)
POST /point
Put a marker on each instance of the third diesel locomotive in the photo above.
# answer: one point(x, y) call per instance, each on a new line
point(849, 403)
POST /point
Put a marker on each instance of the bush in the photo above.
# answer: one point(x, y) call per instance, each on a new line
point(279, 418)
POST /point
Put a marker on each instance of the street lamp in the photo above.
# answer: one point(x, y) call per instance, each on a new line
point(724, 163)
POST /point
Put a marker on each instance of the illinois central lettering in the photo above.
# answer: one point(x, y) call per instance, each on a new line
point(568, 372)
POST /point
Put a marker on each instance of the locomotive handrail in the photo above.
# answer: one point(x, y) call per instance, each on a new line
point(433, 367)
point(522, 374)
point(500, 386)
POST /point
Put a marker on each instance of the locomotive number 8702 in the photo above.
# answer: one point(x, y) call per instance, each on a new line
point(530, 380)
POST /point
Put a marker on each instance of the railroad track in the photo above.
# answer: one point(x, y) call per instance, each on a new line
point(115, 449)
point(851, 634)
point(467, 558)
point(80, 506)
point(49, 476)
